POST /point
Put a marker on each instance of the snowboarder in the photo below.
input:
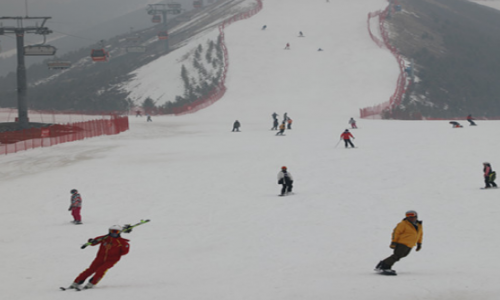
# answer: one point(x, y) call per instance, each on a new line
point(285, 179)
point(469, 118)
point(275, 124)
point(287, 47)
point(346, 136)
point(289, 123)
point(489, 176)
point(353, 123)
point(455, 124)
point(236, 125)
point(149, 118)
point(405, 236)
point(76, 206)
point(112, 248)
point(282, 129)
point(264, 27)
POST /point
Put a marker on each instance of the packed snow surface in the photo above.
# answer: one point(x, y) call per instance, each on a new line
point(218, 229)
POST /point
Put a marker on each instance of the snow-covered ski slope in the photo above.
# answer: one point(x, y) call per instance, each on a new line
point(218, 229)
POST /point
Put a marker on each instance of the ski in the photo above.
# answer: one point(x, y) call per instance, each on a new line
point(106, 236)
point(387, 272)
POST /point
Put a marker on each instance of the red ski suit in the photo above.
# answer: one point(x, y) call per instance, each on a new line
point(110, 252)
point(346, 135)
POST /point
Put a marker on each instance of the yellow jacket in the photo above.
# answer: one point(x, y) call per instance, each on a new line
point(406, 234)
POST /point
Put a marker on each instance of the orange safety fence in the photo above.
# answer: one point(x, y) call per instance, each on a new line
point(14, 141)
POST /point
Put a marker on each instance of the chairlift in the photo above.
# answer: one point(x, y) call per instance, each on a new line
point(156, 19)
point(136, 49)
point(162, 35)
point(39, 50)
point(133, 38)
point(58, 64)
point(99, 55)
point(197, 4)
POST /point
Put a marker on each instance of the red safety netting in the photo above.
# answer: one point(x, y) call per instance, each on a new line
point(14, 141)
point(220, 90)
point(402, 82)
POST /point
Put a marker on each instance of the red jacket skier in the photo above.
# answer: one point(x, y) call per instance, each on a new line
point(112, 248)
point(346, 136)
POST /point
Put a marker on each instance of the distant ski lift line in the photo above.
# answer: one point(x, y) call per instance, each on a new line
point(40, 50)
point(99, 55)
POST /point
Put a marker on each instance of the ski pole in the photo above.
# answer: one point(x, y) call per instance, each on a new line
point(338, 143)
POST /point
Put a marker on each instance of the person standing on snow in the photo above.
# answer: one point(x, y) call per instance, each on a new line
point(285, 179)
point(489, 176)
point(353, 123)
point(282, 129)
point(469, 119)
point(112, 248)
point(405, 236)
point(275, 124)
point(289, 123)
point(287, 47)
point(346, 136)
point(236, 126)
point(76, 206)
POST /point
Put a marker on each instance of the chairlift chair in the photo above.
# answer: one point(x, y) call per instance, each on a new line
point(156, 19)
point(58, 65)
point(162, 35)
point(197, 4)
point(99, 55)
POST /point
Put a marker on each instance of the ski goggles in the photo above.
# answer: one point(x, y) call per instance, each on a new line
point(411, 215)
point(114, 231)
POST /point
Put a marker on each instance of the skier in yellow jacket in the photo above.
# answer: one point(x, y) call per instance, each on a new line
point(405, 236)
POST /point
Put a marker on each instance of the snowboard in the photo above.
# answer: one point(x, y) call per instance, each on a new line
point(387, 272)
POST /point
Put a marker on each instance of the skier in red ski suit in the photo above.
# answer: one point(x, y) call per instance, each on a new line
point(113, 246)
point(346, 136)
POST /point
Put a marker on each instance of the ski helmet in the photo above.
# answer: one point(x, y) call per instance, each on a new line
point(73, 191)
point(115, 230)
point(411, 213)
point(283, 168)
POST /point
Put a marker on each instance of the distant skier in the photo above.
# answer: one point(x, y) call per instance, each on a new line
point(112, 248)
point(353, 123)
point(149, 118)
point(138, 113)
point(405, 236)
point(455, 124)
point(275, 116)
point(319, 49)
point(264, 27)
point(282, 129)
point(285, 117)
point(489, 176)
point(301, 34)
point(236, 126)
point(287, 47)
point(275, 124)
point(286, 180)
point(470, 120)
point(346, 136)
point(76, 206)
point(289, 123)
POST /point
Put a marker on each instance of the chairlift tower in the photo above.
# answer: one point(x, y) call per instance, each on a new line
point(35, 50)
point(164, 9)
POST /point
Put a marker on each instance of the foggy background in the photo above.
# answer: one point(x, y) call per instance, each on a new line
point(75, 23)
